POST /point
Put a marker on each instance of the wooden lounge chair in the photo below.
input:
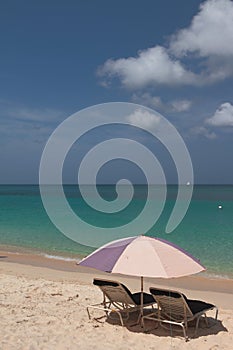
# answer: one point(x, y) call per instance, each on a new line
point(117, 299)
point(175, 309)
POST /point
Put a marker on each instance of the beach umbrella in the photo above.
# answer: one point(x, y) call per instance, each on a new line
point(143, 256)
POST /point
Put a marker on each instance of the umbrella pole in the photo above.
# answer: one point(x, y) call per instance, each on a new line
point(141, 309)
point(141, 305)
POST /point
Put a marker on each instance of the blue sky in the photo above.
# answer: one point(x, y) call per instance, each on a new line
point(58, 57)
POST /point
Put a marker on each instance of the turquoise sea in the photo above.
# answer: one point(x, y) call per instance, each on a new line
point(206, 231)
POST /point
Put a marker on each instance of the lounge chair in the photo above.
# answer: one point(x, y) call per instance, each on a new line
point(175, 309)
point(117, 299)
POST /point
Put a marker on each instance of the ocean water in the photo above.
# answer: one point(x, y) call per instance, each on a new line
point(206, 230)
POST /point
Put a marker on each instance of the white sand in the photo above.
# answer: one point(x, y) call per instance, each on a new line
point(43, 308)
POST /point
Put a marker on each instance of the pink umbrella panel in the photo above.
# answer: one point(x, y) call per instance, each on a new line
point(143, 256)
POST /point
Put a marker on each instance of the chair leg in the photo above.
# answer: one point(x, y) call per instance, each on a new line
point(88, 312)
point(197, 324)
point(110, 314)
point(184, 331)
point(139, 320)
point(143, 325)
point(121, 319)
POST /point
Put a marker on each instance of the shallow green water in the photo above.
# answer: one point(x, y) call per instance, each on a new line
point(206, 231)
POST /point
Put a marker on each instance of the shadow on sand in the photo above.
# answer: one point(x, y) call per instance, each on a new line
point(214, 327)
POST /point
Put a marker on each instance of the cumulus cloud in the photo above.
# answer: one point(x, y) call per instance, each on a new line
point(201, 130)
point(208, 40)
point(223, 116)
point(149, 100)
point(143, 119)
point(180, 105)
point(210, 33)
point(152, 65)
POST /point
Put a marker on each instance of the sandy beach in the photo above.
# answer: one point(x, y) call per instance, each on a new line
point(43, 306)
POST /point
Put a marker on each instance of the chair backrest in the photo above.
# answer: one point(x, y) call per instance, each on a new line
point(116, 292)
point(172, 304)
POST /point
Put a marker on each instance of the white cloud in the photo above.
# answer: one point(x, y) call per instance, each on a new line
point(180, 105)
point(223, 116)
point(208, 40)
point(201, 130)
point(149, 100)
point(210, 33)
point(152, 65)
point(143, 119)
